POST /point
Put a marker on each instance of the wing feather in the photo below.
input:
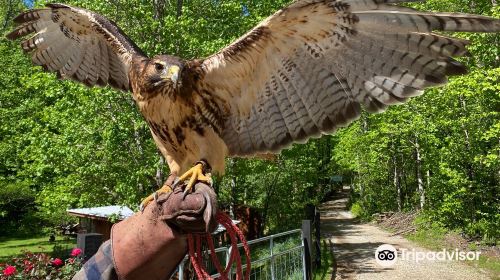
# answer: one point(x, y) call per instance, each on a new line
point(77, 44)
point(308, 69)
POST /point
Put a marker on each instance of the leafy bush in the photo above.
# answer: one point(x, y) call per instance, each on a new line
point(17, 209)
point(488, 228)
point(359, 211)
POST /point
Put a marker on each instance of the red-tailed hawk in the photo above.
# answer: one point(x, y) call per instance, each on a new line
point(303, 72)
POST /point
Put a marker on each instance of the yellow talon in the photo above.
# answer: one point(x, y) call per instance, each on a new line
point(154, 196)
point(194, 174)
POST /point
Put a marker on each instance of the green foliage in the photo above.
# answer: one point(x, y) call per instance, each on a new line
point(454, 129)
point(359, 211)
point(40, 266)
point(435, 236)
point(12, 247)
point(430, 235)
point(282, 188)
point(327, 263)
point(64, 146)
point(490, 263)
point(17, 209)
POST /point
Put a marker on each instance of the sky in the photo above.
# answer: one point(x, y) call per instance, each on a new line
point(29, 3)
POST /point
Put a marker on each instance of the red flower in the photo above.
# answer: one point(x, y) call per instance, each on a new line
point(9, 270)
point(71, 260)
point(57, 262)
point(76, 252)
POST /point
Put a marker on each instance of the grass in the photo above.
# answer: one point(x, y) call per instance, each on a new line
point(325, 271)
point(433, 238)
point(430, 238)
point(291, 272)
point(490, 264)
point(11, 247)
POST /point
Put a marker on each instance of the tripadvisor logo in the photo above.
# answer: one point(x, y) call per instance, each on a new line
point(386, 255)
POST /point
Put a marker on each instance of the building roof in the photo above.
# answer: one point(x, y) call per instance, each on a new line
point(121, 212)
point(102, 213)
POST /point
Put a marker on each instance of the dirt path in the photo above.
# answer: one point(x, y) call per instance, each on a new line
point(355, 244)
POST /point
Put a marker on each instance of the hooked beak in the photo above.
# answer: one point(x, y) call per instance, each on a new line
point(173, 74)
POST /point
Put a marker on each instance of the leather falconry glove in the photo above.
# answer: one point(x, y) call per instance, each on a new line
point(150, 245)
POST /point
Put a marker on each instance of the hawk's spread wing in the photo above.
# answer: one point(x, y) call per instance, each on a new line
point(77, 44)
point(306, 70)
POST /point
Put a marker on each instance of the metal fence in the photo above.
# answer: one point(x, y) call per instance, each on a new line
point(275, 257)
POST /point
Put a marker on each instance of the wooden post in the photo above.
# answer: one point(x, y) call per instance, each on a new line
point(306, 236)
point(310, 210)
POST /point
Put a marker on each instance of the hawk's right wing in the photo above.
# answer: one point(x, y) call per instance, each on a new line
point(77, 44)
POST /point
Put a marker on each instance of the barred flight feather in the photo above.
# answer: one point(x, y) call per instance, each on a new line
point(317, 61)
point(76, 43)
point(303, 72)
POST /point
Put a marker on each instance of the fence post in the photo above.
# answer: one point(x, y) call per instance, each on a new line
point(303, 255)
point(271, 244)
point(228, 257)
point(310, 211)
point(306, 236)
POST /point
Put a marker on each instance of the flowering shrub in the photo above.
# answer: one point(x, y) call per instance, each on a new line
point(38, 266)
point(57, 262)
point(76, 252)
point(9, 270)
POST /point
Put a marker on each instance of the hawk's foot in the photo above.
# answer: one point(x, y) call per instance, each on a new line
point(154, 196)
point(199, 172)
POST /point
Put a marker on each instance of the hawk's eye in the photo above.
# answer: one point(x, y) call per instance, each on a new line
point(159, 67)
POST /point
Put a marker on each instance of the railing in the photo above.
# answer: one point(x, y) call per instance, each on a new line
point(286, 260)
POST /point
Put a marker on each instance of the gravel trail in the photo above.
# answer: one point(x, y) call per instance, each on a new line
point(354, 246)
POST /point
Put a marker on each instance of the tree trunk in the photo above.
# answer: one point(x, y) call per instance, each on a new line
point(179, 8)
point(420, 182)
point(359, 177)
point(232, 204)
point(137, 138)
point(428, 179)
point(159, 9)
point(160, 176)
point(468, 146)
point(468, 160)
point(403, 181)
point(158, 14)
point(498, 173)
point(269, 195)
point(8, 15)
point(364, 166)
point(397, 183)
point(396, 176)
point(267, 202)
point(178, 15)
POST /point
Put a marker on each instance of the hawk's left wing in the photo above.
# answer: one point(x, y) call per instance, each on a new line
point(306, 70)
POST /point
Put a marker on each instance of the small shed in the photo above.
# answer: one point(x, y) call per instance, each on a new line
point(100, 219)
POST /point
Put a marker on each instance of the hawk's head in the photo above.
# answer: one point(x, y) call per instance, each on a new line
point(162, 74)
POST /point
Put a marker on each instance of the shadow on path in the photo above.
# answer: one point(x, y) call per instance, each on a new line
point(354, 243)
